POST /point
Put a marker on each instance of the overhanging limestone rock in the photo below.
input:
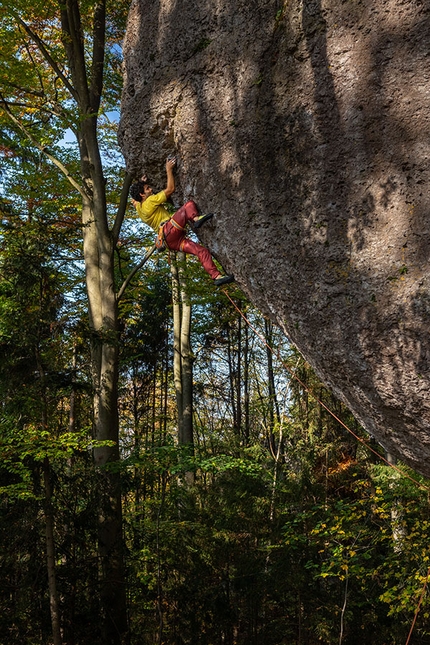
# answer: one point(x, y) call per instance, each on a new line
point(305, 127)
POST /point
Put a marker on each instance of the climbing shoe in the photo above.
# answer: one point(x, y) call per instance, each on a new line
point(223, 279)
point(201, 220)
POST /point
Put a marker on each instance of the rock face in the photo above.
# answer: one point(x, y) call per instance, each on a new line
point(305, 127)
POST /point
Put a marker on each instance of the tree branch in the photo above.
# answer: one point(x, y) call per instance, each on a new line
point(43, 149)
point(74, 46)
point(134, 271)
point(39, 93)
point(56, 109)
point(121, 207)
point(99, 34)
point(36, 67)
point(17, 104)
point(43, 49)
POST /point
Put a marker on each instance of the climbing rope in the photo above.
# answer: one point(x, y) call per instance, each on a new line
point(315, 397)
point(418, 606)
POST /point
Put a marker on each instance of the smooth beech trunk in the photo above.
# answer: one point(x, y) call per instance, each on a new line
point(183, 358)
point(98, 244)
point(103, 318)
point(82, 78)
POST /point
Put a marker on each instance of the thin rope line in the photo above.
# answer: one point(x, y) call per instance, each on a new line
point(315, 397)
point(294, 375)
point(418, 607)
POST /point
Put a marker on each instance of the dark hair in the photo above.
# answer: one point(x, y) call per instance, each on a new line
point(137, 189)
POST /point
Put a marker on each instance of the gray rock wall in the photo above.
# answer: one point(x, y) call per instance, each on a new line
point(305, 127)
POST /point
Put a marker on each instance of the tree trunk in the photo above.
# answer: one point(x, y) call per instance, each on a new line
point(397, 511)
point(73, 395)
point(98, 254)
point(83, 80)
point(49, 513)
point(103, 318)
point(183, 359)
point(50, 555)
point(239, 377)
point(187, 362)
point(247, 428)
point(177, 362)
point(273, 403)
point(231, 376)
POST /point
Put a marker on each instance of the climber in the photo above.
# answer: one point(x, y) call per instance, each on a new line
point(171, 230)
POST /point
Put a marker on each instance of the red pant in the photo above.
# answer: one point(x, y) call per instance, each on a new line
point(176, 240)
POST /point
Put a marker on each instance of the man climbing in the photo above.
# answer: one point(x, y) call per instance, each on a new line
point(150, 208)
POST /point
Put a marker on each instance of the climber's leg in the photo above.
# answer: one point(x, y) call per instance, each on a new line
point(186, 214)
point(174, 234)
point(174, 230)
point(188, 246)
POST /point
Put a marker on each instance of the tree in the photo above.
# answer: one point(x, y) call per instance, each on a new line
point(182, 356)
point(32, 290)
point(56, 56)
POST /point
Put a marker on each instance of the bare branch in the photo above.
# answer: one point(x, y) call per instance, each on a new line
point(36, 67)
point(74, 46)
point(56, 110)
point(134, 271)
point(40, 94)
point(121, 208)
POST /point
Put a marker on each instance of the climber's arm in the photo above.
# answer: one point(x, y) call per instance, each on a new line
point(170, 164)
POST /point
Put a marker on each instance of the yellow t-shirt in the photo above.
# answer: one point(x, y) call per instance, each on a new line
point(152, 211)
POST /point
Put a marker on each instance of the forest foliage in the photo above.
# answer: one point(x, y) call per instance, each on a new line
point(290, 529)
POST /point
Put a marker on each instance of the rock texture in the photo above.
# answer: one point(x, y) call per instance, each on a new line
point(305, 127)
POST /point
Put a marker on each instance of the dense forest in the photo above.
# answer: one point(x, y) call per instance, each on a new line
point(172, 471)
